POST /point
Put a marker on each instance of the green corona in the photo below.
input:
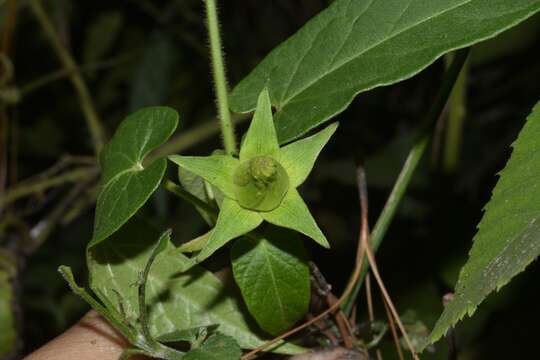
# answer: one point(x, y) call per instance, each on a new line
point(260, 183)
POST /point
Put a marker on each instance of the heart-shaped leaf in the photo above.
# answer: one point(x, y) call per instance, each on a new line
point(357, 45)
point(508, 238)
point(127, 182)
point(177, 299)
point(273, 275)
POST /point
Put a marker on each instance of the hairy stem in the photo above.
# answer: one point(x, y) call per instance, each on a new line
point(26, 189)
point(220, 81)
point(189, 197)
point(87, 104)
point(413, 159)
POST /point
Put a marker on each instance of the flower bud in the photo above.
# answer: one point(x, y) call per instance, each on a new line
point(260, 183)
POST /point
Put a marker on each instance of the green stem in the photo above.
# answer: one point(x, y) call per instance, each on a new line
point(405, 176)
point(109, 314)
point(192, 199)
point(220, 81)
point(22, 189)
point(454, 124)
point(87, 104)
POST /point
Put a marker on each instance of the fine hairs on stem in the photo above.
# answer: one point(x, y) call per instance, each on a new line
point(220, 81)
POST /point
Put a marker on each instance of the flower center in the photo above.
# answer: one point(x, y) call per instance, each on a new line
point(260, 183)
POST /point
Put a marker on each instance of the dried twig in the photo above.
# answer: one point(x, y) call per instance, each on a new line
point(360, 254)
point(362, 190)
point(393, 330)
point(371, 313)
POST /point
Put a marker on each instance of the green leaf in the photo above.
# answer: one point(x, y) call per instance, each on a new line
point(163, 243)
point(273, 275)
point(354, 46)
point(294, 214)
point(508, 239)
point(299, 157)
point(196, 186)
point(216, 347)
point(216, 169)
point(260, 138)
point(126, 183)
point(178, 298)
point(196, 244)
point(233, 221)
point(188, 335)
point(111, 314)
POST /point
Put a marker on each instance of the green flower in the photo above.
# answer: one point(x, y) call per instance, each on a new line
point(261, 184)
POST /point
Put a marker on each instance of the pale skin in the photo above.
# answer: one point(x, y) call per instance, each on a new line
point(91, 338)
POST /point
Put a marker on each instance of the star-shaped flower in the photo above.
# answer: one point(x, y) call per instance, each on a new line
point(261, 184)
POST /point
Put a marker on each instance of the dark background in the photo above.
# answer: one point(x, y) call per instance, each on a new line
point(156, 53)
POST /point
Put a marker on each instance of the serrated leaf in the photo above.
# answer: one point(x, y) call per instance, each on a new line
point(357, 45)
point(126, 183)
point(508, 237)
point(294, 214)
point(178, 298)
point(216, 347)
point(273, 275)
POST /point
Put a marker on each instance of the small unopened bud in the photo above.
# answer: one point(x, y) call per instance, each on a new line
point(260, 183)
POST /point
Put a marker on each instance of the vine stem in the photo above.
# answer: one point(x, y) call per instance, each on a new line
point(220, 81)
point(87, 104)
point(411, 163)
point(23, 189)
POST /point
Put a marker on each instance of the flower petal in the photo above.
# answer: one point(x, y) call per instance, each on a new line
point(299, 157)
point(216, 169)
point(261, 136)
point(294, 214)
point(233, 221)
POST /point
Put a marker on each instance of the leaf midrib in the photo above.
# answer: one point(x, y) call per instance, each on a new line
point(273, 277)
point(137, 167)
point(346, 61)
